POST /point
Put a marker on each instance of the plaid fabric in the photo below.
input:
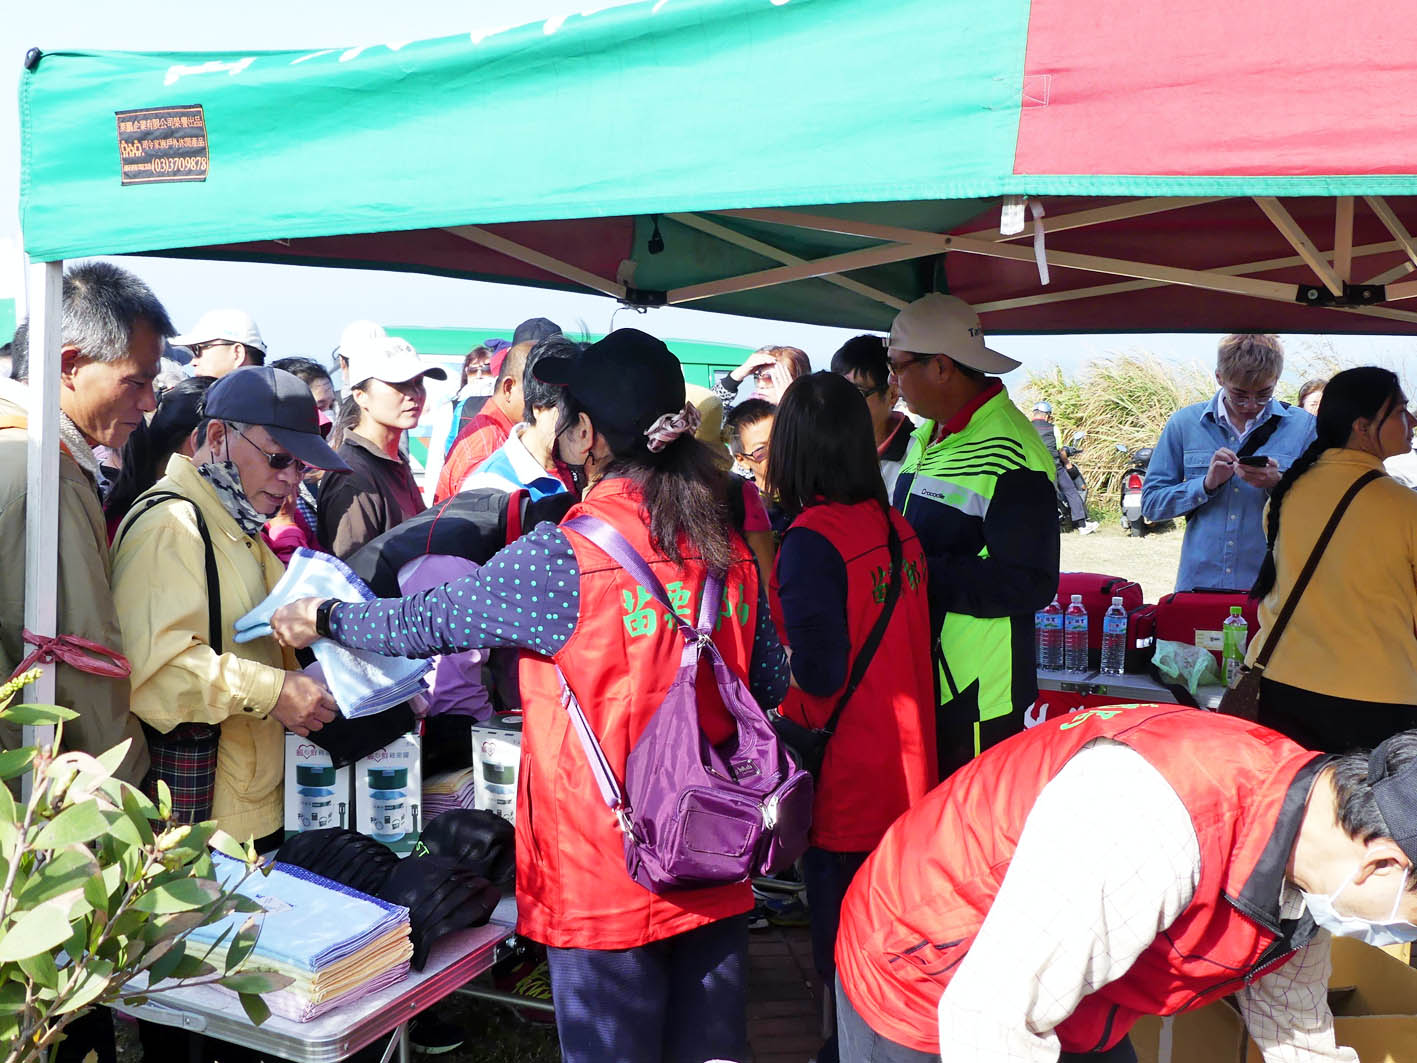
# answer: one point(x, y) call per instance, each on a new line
point(185, 759)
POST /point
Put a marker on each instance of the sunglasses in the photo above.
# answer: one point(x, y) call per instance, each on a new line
point(276, 461)
point(198, 349)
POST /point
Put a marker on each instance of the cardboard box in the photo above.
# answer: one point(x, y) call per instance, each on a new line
point(1373, 993)
point(317, 794)
point(496, 758)
point(388, 794)
point(1212, 1034)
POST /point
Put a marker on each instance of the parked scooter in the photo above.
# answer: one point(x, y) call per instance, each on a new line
point(1132, 480)
point(1065, 513)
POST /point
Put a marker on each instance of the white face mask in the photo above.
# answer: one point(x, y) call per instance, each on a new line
point(1392, 931)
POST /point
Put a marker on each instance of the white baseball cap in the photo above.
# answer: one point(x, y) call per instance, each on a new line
point(230, 326)
point(389, 359)
point(941, 324)
point(358, 333)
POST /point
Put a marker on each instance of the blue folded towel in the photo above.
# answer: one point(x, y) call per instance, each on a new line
point(363, 683)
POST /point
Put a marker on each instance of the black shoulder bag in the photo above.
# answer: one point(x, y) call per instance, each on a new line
point(1243, 699)
point(808, 745)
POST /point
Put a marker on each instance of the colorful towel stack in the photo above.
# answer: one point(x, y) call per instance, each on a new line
point(338, 944)
point(450, 790)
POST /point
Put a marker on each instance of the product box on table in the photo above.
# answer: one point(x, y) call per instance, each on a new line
point(388, 794)
point(317, 794)
point(496, 757)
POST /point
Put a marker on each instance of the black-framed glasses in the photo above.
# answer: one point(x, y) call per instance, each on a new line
point(199, 349)
point(866, 393)
point(275, 461)
point(758, 454)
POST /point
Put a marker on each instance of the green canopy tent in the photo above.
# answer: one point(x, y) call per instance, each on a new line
point(1196, 165)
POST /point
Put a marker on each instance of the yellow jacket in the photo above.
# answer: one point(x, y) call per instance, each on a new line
point(160, 589)
point(1354, 631)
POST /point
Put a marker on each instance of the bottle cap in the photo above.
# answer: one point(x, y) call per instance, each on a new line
point(1077, 599)
point(1236, 610)
point(1116, 601)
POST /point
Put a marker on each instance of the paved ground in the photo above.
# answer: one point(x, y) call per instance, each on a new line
point(784, 1017)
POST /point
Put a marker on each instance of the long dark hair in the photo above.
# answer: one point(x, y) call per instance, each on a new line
point(823, 447)
point(1352, 395)
point(686, 494)
point(148, 448)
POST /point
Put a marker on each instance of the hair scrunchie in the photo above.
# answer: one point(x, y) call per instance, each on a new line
point(671, 426)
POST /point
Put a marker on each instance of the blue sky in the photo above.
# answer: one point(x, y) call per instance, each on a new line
point(301, 310)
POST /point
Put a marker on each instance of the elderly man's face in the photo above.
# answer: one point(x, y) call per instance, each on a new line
point(252, 450)
point(108, 400)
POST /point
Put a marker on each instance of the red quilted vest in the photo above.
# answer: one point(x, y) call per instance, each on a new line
point(882, 758)
point(916, 906)
point(572, 887)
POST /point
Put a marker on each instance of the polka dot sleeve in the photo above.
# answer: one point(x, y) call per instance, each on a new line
point(527, 595)
point(768, 671)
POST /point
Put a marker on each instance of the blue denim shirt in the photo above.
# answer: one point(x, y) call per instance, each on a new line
point(1224, 543)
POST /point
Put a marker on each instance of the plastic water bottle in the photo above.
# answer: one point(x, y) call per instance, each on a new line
point(1048, 628)
point(1075, 636)
point(1236, 637)
point(1114, 639)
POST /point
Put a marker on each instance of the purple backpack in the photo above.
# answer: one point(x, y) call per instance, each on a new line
point(694, 814)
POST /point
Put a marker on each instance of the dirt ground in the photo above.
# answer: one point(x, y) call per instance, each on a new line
point(1151, 560)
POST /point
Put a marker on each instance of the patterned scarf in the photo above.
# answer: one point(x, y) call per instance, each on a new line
point(226, 482)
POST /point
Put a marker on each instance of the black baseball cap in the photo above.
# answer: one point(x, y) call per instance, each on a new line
point(534, 330)
point(625, 382)
point(279, 402)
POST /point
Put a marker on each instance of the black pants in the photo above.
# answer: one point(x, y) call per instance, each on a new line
point(827, 874)
point(1330, 724)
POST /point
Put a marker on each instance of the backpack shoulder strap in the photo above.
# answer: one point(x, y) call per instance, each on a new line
point(155, 499)
point(628, 558)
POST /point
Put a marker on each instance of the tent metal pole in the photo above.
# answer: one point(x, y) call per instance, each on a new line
point(926, 243)
point(478, 235)
point(1343, 238)
point(42, 484)
point(871, 256)
point(1136, 208)
point(1239, 269)
point(729, 236)
point(1398, 292)
point(1299, 240)
point(1394, 225)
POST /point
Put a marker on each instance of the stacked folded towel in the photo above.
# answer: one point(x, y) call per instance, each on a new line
point(338, 944)
point(448, 791)
point(363, 683)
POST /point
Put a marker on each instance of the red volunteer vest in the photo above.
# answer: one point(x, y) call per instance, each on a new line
point(914, 909)
point(882, 758)
point(572, 887)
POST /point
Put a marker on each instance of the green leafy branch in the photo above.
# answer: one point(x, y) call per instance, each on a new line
point(102, 888)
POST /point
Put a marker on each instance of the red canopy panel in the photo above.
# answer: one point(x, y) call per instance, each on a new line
point(1218, 88)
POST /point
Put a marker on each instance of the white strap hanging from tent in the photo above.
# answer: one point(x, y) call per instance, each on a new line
point(1011, 222)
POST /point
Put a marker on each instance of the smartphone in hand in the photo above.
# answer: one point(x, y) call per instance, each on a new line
point(1255, 461)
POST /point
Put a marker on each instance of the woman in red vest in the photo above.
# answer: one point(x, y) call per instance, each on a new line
point(831, 588)
point(634, 975)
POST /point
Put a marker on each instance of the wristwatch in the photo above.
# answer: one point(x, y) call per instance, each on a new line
point(322, 617)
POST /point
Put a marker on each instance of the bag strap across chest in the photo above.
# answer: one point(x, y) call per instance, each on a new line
point(697, 640)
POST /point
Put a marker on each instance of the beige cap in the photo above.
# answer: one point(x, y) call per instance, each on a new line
point(941, 324)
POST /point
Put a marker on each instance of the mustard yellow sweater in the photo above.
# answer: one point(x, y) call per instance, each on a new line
point(1354, 632)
